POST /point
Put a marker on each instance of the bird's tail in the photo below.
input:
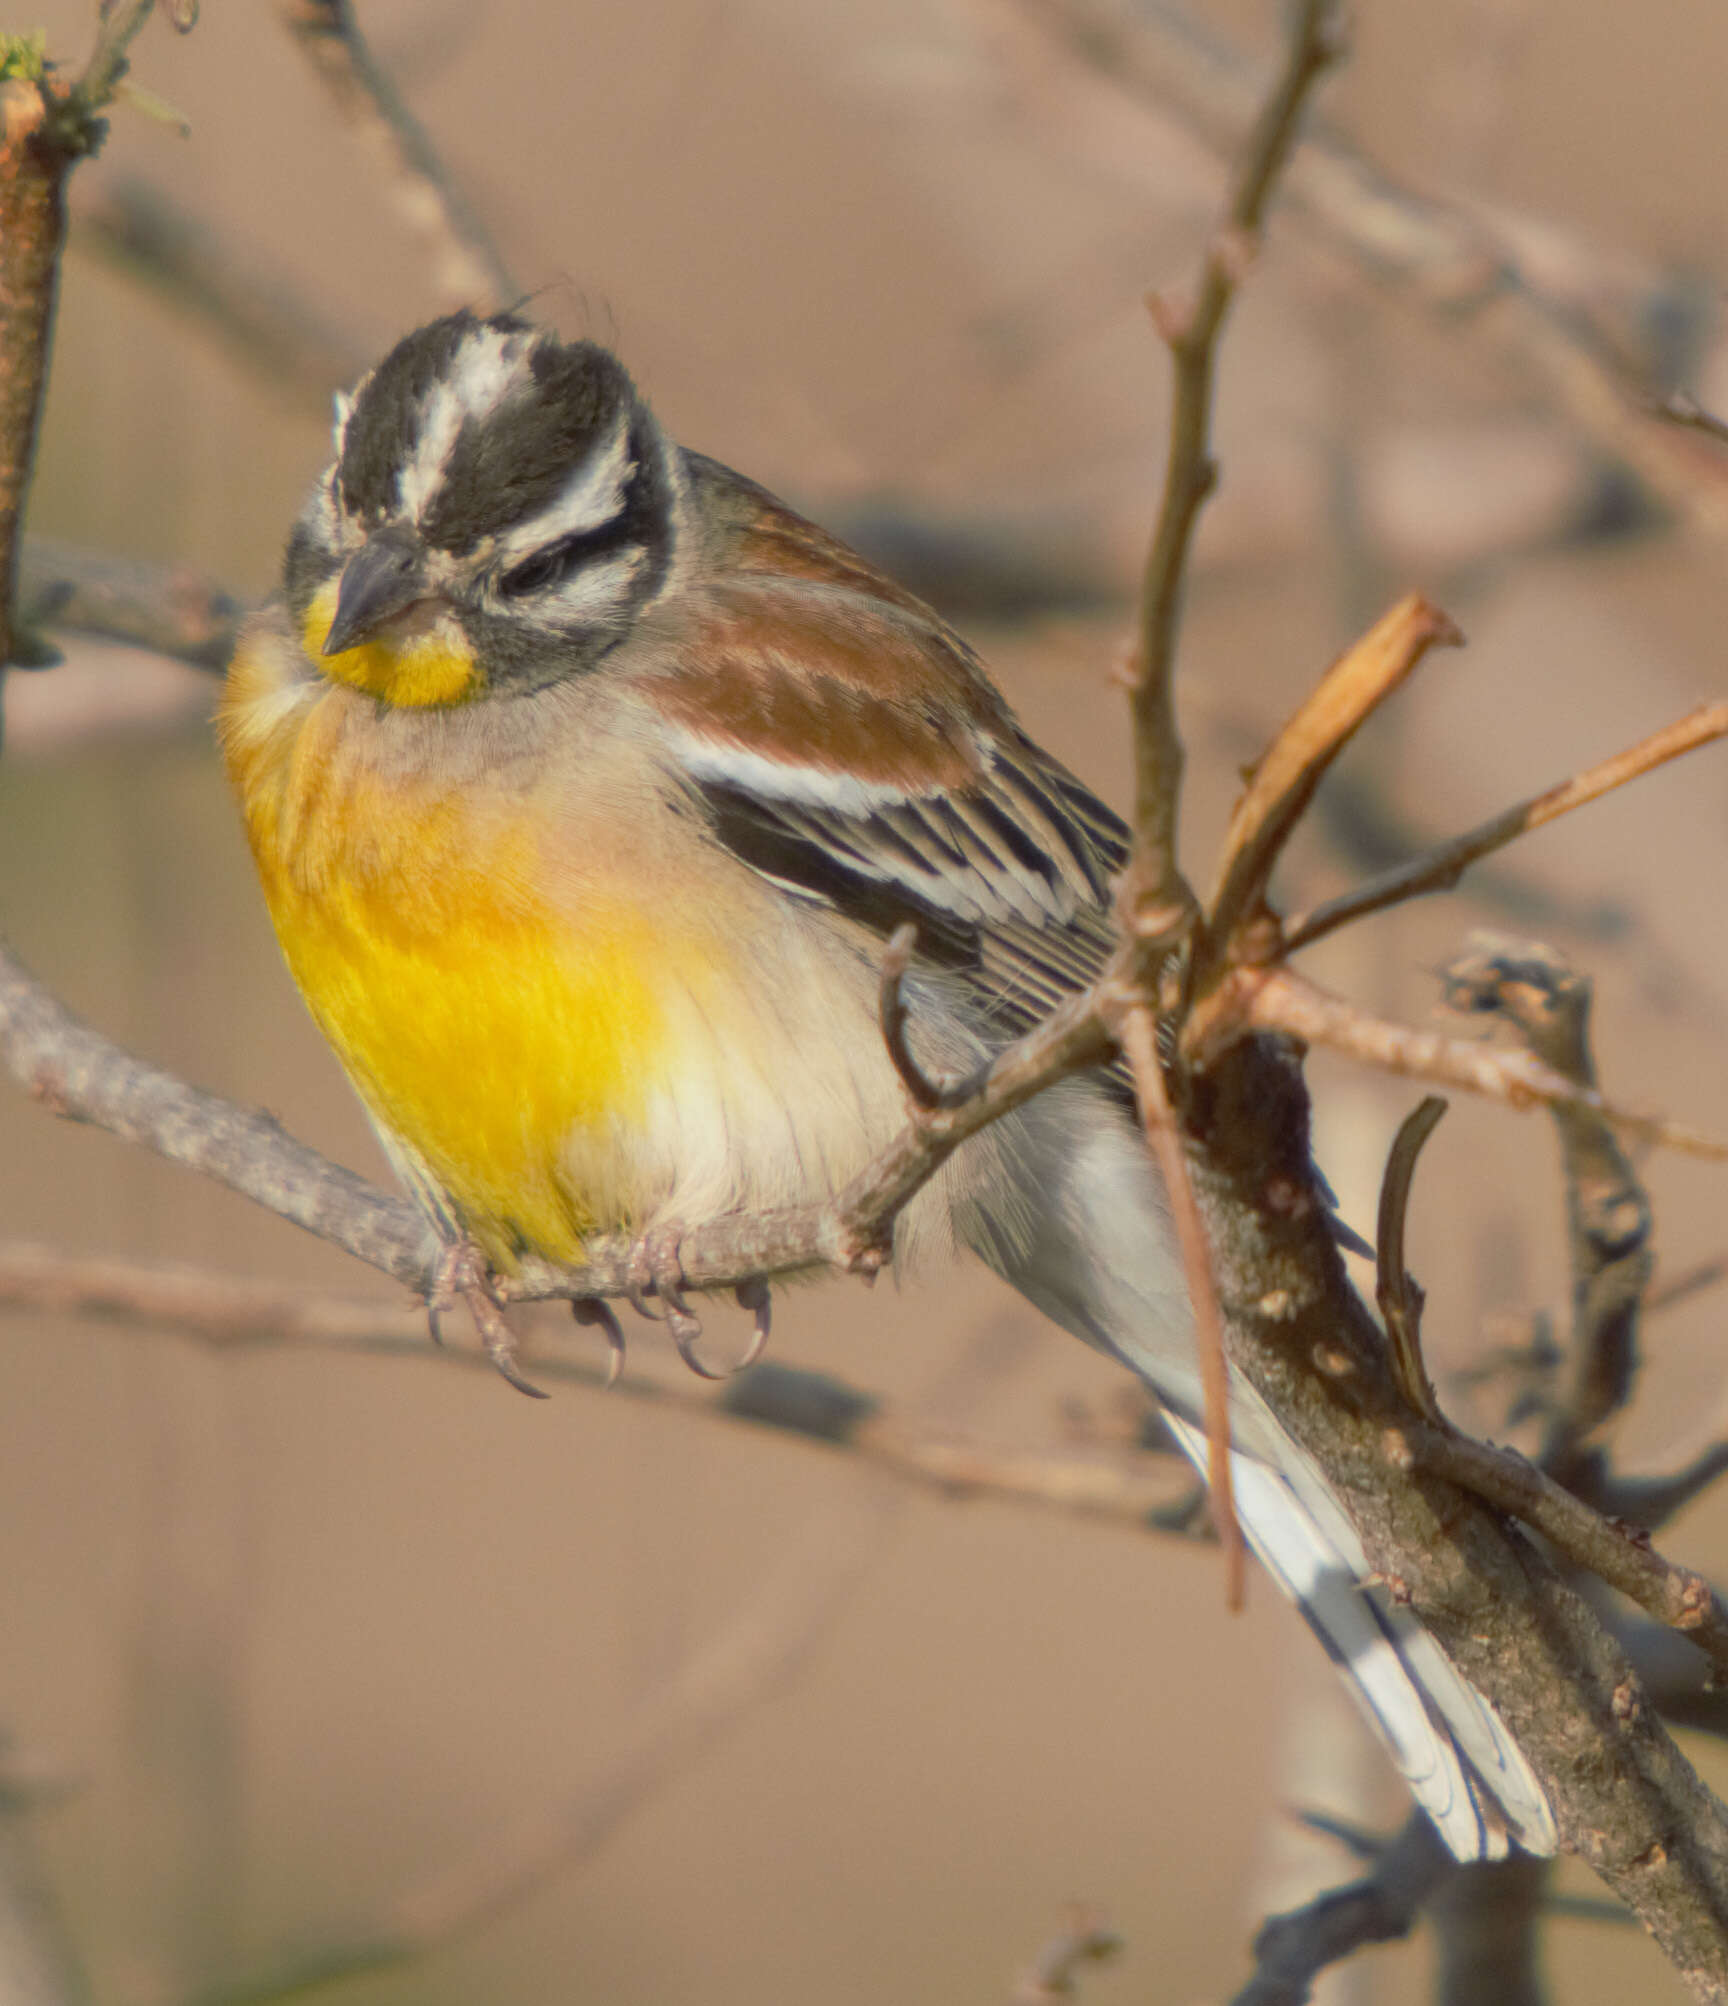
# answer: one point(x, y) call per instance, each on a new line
point(1089, 1244)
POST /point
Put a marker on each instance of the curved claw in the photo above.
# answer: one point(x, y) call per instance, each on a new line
point(753, 1296)
point(686, 1330)
point(463, 1274)
point(596, 1312)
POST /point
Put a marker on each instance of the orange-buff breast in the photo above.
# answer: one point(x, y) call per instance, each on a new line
point(481, 1027)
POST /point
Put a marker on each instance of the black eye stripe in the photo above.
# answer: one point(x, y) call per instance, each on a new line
point(558, 561)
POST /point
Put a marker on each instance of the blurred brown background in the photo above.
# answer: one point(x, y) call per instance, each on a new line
point(301, 1633)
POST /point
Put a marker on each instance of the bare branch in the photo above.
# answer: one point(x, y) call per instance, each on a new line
point(168, 608)
point(79, 1074)
point(1615, 1553)
point(1120, 1483)
point(1608, 1214)
point(467, 266)
point(1440, 868)
point(1277, 999)
point(1155, 898)
point(1292, 1950)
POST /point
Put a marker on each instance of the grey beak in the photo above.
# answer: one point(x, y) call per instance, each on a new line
point(382, 579)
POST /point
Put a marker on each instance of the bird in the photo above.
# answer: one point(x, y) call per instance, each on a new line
point(585, 781)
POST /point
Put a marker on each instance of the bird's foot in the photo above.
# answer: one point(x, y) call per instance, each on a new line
point(463, 1276)
point(655, 1264)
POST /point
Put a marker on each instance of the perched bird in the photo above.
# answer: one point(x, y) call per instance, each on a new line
point(585, 780)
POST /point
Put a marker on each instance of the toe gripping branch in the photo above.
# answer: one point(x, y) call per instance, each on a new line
point(464, 1276)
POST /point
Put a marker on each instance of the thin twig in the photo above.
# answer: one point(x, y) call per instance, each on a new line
point(892, 1016)
point(1278, 999)
point(1440, 868)
point(1138, 1034)
point(1396, 1292)
point(1156, 899)
point(468, 268)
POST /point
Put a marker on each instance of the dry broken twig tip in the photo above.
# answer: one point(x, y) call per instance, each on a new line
point(1397, 1294)
point(1284, 780)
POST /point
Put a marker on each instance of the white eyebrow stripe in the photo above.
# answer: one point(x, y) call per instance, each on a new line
point(596, 589)
point(483, 372)
point(593, 497)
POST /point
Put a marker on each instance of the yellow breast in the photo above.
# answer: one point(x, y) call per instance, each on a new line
point(482, 1028)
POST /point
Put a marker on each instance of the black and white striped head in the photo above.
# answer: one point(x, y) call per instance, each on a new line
point(500, 508)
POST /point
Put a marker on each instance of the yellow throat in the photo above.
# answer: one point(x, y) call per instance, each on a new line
point(483, 1028)
point(417, 661)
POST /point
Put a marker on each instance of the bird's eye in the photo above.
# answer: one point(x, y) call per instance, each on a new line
point(533, 573)
point(553, 564)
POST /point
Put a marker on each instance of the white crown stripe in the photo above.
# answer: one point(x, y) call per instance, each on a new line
point(483, 372)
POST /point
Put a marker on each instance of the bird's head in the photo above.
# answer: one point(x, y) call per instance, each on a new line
point(500, 509)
